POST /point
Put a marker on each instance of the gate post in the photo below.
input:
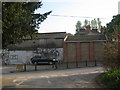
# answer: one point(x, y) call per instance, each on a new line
point(24, 67)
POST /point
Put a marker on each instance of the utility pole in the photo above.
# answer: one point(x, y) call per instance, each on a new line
point(119, 7)
point(119, 33)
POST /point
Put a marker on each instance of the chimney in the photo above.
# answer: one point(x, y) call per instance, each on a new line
point(88, 28)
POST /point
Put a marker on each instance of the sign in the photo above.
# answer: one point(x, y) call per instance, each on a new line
point(19, 67)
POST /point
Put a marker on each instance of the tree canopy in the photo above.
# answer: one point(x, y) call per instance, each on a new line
point(95, 24)
point(78, 26)
point(19, 20)
point(112, 25)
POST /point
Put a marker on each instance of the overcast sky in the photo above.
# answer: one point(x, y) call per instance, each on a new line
point(70, 11)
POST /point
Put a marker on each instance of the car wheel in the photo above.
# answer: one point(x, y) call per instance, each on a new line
point(50, 63)
point(35, 63)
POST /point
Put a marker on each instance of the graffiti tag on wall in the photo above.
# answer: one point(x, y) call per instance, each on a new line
point(50, 52)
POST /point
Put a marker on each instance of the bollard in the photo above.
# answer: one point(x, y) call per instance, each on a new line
point(19, 67)
point(35, 67)
point(95, 62)
point(67, 64)
point(56, 65)
point(76, 64)
point(86, 63)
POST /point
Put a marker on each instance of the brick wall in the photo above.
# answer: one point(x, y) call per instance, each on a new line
point(84, 51)
point(71, 52)
point(91, 51)
point(99, 51)
point(76, 52)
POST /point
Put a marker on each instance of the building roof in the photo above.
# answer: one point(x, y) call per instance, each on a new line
point(88, 31)
point(55, 35)
point(86, 38)
point(41, 40)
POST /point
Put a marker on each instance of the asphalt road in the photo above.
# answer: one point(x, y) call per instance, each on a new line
point(68, 78)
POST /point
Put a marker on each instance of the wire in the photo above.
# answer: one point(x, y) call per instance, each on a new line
point(77, 16)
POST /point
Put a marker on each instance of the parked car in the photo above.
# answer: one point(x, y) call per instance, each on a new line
point(43, 60)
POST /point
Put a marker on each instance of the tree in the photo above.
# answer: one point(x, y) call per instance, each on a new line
point(112, 50)
point(19, 20)
point(110, 26)
point(78, 26)
point(86, 22)
point(94, 23)
point(99, 23)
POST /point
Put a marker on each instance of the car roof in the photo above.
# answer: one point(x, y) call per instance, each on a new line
point(37, 56)
point(40, 56)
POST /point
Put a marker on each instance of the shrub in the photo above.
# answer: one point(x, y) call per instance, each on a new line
point(111, 79)
point(111, 59)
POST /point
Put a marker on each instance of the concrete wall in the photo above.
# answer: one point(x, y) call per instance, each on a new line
point(19, 57)
point(41, 43)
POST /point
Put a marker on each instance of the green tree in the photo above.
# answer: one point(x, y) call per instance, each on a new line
point(86, 22)
point(99, 23)
point(78, 26)
point(19, 20)
point(110, 26)
point(94, 23)
point(112, 50)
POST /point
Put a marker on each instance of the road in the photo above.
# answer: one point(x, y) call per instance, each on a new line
point(68, 78)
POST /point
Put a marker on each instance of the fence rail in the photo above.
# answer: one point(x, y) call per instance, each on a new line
point(28, 67)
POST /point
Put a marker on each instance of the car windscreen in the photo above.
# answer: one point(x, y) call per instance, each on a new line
point(43, 57)
point(37, 57)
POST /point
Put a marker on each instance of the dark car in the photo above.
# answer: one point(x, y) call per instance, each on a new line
point(42, 60)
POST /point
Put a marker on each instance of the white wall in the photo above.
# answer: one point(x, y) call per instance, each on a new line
point(20, 57)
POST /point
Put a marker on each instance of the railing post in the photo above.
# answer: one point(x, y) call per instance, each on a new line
point(86, 63)
point(95, 62)
point(67, 64)
point(56, 65)
point(24, 67)
point(76, 64)
point(35, 67)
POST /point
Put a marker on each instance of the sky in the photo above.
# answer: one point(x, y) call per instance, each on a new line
point(66, 13)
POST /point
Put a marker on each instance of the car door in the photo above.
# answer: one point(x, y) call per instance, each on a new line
point(44, 60)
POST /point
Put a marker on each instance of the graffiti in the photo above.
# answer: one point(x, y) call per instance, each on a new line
point(50, 52)
point(5, 56)
point(53, 53)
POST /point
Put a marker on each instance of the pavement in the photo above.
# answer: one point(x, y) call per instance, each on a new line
point(6, 69)
point(67, 78)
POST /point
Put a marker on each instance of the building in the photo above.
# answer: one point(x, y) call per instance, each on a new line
point(86, 45)
point(50, 44)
